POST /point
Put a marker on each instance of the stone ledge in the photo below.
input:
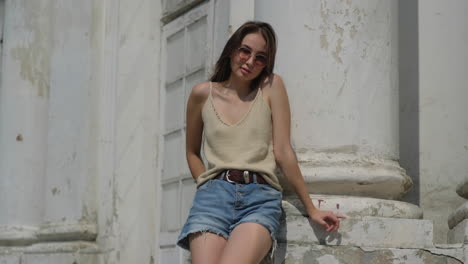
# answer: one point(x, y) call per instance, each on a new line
point(305, 254)
point(78, 252)
point(28, 235)
point(54, 247)
point(366, 231)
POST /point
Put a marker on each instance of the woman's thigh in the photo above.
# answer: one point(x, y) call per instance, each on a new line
point(206, 247)
point(248, 244)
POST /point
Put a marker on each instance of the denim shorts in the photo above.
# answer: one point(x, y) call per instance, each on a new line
point(220, 206)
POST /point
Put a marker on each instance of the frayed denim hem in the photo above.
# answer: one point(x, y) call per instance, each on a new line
point(183, 240)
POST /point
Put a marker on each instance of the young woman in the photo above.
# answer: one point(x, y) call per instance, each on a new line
point(244, 115)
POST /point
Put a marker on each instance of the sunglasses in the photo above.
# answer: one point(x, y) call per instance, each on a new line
point(245, 54)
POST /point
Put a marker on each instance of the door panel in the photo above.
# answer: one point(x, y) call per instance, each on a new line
point(185, 56)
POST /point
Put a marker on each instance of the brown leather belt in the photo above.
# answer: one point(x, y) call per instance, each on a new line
point(240, 176)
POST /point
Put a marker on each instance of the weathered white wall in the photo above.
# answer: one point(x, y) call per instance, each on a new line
point(69, 186)
point(128, 104)
point(47, 185)
point(78, 131)
point(443, 90)
point(23, 112)
point(137, 106)
point(220, 28)
point(79, 111)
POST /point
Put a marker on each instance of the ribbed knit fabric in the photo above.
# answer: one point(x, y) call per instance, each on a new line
point(246, 145)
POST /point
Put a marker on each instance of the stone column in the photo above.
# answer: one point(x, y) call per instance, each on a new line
point(46, 156)
point(69, 186)
point(24, 102)
point(339, 61)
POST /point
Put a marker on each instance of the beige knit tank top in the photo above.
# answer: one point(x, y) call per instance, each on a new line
point(246, 145)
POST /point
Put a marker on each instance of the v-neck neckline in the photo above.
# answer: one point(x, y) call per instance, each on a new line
point(242, 118)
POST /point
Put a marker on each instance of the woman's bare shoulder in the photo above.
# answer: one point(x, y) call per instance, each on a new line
point(272, 84)
point(200, 92)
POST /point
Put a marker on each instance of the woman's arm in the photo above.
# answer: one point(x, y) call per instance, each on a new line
point(286, 158)
point(194, 129)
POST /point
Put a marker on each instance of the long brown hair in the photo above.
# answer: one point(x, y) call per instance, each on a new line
point(223, 65)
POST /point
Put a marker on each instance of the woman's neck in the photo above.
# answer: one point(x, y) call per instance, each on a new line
point(241, 87)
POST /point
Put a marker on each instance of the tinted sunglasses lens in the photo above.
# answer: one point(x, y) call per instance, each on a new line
point(244, 53)
point(260, 60)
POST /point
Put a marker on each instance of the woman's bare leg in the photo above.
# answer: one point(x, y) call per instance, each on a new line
point(248, 244)
point(206, 247)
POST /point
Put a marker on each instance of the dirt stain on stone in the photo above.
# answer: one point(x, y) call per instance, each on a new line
point(55, 191)
point(323, 42)
point(337, 53)
point(33, 56)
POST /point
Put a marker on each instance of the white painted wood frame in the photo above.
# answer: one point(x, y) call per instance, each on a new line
point(185, 61)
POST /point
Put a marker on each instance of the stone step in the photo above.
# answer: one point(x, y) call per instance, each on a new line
point(52, 253)
point(292, 253)
point(366, 231)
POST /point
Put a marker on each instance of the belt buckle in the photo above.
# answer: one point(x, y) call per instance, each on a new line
point(227, 177)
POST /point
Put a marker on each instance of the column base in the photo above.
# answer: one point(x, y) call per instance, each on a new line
point(52, 253)
point(28, 235)
point(352, 174)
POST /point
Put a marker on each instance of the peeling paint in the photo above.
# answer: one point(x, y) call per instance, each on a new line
point(352, 32)
point(345, 79)
point(323, 10)
point(339, 30)
point(34, 55)
point(364, 53)
point(349, 149)
point(338, 49)
point(308, 27)
point(323, 42)
point(34, 66)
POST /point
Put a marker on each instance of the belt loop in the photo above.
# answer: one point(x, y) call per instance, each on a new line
point(255, 177)
point(222, 175)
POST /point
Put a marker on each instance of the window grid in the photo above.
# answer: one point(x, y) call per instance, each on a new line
point(190, 74)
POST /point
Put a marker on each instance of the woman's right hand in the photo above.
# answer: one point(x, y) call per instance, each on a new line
point(329, 220)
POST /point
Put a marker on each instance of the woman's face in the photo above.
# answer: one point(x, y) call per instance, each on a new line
point(248, 61)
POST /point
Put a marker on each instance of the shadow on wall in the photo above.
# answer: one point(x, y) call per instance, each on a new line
point(409, 94)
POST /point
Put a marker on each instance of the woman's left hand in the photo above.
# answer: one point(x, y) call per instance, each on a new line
point(329, 220)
